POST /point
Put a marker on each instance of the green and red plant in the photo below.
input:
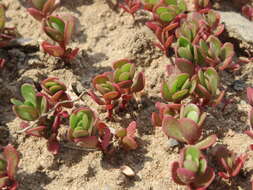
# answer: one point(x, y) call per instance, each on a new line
point(60, 29)
point(230, 161)
point(192, 169)
point(42, 8)
point(86, 130)
point(126, 136)
point(131, 6)
point(34, 109)
point(187, 127)
point(9, 159)
point(122, 83)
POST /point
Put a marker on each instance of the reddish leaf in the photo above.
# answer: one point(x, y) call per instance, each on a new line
point(176, 179)
point(207, 142)
point(87, 142)
point(95, 98)
point(12, 158)
point(185, 175)
point(53, 144)
point(36, 131)
point(250, 95)
point(53, 50)
point(35, 13)
point(131, 129)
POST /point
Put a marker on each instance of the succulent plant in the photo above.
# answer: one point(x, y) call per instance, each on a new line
point(207, 87)
point(42, 8)
point(109, 91)
point(126, 136)
point(127, 79)
point(187, 127)
point(167, 10)
point(87, 130)
point(60, 30)
point(130, 6)
point(123, 82)
point(192, 169)
point(34, 105)
point(9, 160)
point(56, 90)
point(230, 161)
point(177, 87)
point(164, 109)
point(210, 52)
point(165, 34)
point(48, 127)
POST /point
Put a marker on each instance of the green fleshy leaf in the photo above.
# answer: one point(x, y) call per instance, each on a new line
point(56, 23)
point(124, 76)
point(16, 102)
point(29, 94)
point(202, 166)
point(190, 165)
point(26, 113)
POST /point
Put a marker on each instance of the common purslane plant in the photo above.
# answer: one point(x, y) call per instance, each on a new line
point(192, 169)
point(9, 159)
point(122, 83)
point(250, 115)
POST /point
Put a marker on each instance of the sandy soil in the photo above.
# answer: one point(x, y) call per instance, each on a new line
point(106, 35)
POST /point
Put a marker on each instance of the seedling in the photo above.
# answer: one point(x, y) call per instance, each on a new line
point(126, 136)
point(35, 108)
point(165, 35)
point(42, 8)
point(207, 87)
point(230, 162)
point(56, 90)
point(207, 53)
point(186, 127)
point(166, 11)
point(60, 30)
point(122, 83)
point(177, 87)
point(86, 130)
point(127, 79)
point(164, 109)
point(9, 160)
point(192, 169)
point(34, 105)
point(131, 6)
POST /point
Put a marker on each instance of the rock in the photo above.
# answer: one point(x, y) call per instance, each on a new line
point(240, 30)
point(126, 170)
